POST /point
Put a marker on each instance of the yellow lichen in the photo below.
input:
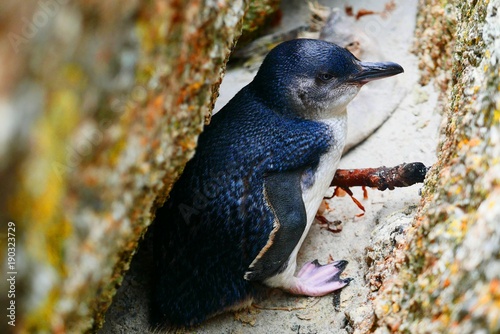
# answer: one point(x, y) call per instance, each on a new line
point(42, 316)
point(496, 114)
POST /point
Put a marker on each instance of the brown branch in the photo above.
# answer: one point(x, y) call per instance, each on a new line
point(382, 178)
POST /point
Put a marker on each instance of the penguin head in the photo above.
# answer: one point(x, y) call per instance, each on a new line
point(314, 79)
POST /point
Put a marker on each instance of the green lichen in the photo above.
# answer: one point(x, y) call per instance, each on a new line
point(434, 39)
point(258, 17)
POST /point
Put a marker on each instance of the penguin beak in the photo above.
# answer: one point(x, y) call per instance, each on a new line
point(374, 71)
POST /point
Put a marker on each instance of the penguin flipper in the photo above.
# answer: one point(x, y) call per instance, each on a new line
point(283, 195)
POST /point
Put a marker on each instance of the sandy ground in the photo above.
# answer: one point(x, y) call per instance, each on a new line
point(409, 134)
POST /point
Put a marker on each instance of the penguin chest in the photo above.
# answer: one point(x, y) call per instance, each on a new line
point(313, 191)
point(315, 186)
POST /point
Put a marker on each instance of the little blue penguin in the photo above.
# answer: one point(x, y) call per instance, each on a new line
point(244, 203)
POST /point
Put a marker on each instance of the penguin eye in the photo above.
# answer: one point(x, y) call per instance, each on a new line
point(325, 76)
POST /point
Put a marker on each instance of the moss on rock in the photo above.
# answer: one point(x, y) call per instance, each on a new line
point(449, 280)
point(101, 104)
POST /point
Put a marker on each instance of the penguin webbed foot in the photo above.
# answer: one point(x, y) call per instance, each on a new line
point(316, 280)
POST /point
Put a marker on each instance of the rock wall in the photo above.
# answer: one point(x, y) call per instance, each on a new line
point(101, 104)
point(448, 274)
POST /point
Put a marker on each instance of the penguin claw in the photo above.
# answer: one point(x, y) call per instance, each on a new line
point(315, 279)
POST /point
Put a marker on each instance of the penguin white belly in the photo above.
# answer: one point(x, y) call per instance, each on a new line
point(313, 194)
